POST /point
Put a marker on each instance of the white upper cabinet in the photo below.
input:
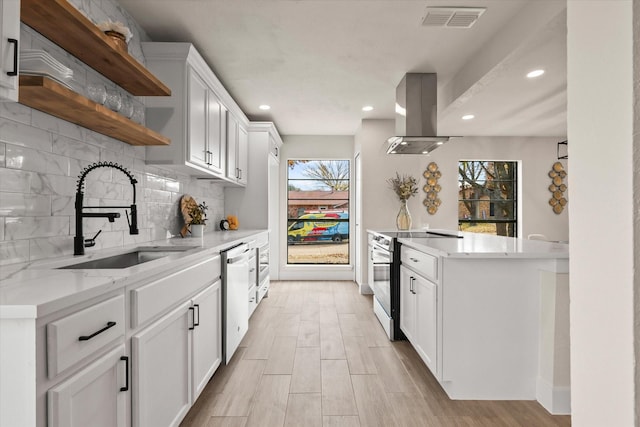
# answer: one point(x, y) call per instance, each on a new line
point(237, 151)
point(9, 49)
point(200, 116)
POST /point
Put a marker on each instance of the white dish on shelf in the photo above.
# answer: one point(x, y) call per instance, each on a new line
point(57, 80)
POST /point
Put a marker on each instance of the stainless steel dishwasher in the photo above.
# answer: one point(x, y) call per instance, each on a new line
point(235, 310)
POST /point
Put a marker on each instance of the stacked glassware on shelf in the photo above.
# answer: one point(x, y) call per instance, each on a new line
point(37, 62)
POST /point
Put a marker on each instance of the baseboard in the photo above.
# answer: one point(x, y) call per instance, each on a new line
point(556, 400)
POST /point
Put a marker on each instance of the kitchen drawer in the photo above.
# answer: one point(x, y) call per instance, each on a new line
point(74, 337)
point(156, 297)
point(253, 300)
point(420, 262)
point(261, 240)
point(263, 289)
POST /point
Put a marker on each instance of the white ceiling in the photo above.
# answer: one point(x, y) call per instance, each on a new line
point(318, 62)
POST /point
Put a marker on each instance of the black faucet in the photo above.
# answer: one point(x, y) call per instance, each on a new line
point(79, 242)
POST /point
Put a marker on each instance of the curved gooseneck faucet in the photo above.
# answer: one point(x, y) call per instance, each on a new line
point(79, 242)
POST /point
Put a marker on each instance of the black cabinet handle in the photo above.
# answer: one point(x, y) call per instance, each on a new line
point(88, 337)
point(193, 318)
point(197, 322)
point(15, 58)
point(126, 373)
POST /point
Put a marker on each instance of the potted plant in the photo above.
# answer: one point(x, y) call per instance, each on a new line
point(198, 214)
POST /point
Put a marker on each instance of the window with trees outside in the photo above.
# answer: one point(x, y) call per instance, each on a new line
point(487, 197)
point(318, 212)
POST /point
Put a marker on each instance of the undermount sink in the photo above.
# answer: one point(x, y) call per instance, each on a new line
point(139, 255)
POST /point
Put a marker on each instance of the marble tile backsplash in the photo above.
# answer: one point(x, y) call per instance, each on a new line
point(41, 157)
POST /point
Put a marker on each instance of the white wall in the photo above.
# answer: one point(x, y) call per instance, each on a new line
point(600, 131)
point(321, 148)
point(380, 204)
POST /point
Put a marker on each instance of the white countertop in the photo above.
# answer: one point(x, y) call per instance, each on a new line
point(479, 245)
point(38, 288)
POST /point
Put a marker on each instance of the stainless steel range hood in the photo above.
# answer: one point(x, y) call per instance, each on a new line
point(416, 115)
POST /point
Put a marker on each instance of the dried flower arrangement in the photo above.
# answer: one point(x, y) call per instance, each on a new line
point(198, 214)
point(404, 186)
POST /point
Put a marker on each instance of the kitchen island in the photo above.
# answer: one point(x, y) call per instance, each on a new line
point(489, 315)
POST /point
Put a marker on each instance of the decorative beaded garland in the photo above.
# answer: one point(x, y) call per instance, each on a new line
point(557, 188)
point(432, 188)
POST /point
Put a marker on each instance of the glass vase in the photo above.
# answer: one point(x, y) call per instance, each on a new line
point(403, 220)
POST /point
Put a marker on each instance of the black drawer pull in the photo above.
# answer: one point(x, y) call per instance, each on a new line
point(15, 58)
point(88, 337)
point(126, 373)
point(193, 317)
point(196, 322)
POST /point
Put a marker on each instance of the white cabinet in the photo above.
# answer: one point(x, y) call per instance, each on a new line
point(207, 336)
point(96, 396)
point(9, 49)
point(426, 321)
point(407, 304)
point(161, 370)
point(206, 124)
point(257, 204)
point(418, 315)
point(237, 151)
point(174, 358)
point(200, 117)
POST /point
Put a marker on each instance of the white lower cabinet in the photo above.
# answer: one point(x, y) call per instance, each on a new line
point(96, 396)
point(419, 314)
point(161, 370)
point(407, 304)
point(174, 358)
point(207, 337)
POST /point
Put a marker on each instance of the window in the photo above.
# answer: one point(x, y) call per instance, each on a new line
point(318, 212)
point(487, 201)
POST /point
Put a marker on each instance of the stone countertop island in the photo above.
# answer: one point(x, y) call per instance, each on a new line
point(490, 316)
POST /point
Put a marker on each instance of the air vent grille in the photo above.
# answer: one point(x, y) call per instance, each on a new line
point(452, 17)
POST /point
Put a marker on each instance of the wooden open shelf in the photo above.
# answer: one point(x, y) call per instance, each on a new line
point(63, 24)
point(51, 97)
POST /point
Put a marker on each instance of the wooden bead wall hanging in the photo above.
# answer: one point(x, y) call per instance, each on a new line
point(557, 187)
point(432, 188)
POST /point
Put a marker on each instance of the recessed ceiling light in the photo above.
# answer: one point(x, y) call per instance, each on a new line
point(425, 152)
point(265, 107)
point(367, 108)
point(535, 73)
point(468, 117)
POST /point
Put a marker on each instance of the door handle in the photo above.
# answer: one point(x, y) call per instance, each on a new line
point(193, 318)
point(196, 322)
point(15, 58)
point(88, 337)
point(126, 373)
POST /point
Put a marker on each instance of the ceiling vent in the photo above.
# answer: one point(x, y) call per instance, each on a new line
point(452, 17)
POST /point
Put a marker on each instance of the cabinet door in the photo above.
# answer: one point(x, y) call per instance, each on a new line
point(96, 396)
point(9, 49)
point(232, 147)
point(426, 321)
point(161, 370)
point(243, 155)
point(407, 304)
point(216, 120)
point(207, 337)
point(197, 113)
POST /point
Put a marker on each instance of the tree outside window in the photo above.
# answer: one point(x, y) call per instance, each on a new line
point(488, 197)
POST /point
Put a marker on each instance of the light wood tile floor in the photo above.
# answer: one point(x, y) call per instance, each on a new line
point(315, 355)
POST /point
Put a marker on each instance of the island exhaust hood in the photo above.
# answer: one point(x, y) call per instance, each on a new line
point(416, 115)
